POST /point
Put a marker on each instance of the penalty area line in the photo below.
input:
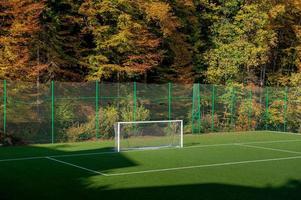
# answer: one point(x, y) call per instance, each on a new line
point(205, 166)
point(76, 166)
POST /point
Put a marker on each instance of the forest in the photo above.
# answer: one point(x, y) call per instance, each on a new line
point(251, 42)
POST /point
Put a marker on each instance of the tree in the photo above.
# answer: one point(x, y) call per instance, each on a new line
point(242, 41)
point(286, 56)
point(19, 26)
point(60, 44)
point(122, 44)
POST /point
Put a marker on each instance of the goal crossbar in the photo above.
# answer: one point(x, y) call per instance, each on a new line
point(150, 122)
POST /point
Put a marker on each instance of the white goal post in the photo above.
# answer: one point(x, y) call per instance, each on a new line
point(148, 134)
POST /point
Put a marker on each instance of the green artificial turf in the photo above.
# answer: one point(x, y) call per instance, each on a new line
point(242, 166)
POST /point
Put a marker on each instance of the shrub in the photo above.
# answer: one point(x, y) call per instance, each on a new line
point(108, 117)
point(80, 132)
point(64, 116)
point(86, 131)
point(248, 114)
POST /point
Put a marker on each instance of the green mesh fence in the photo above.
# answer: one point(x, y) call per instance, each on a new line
point(69, 112)
point(26, 111)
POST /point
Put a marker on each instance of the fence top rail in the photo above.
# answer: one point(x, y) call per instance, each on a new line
point(149, 122)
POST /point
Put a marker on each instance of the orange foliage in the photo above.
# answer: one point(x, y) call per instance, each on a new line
point(18, 30)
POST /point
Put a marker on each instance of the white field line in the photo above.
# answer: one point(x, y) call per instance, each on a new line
point(76, 166)
point(237, 143)
point(270, 149)
point(278, 132)
point(83, 154)
point(21, 159)
point(114, 152)
point(204, 166)
point(55, 156)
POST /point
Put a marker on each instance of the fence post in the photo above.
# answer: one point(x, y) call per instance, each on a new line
point(232, 106)
point(285, 109)
point(199, 108)
point(52, 112)
point(192, 109)
point(4, 106)
point(196, 101)
point(250, 108)
point(134, 101)
point(266, 108)
point(169, 100)
point(213, 107)
point(97, 109)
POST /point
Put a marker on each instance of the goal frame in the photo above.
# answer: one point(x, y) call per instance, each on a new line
point(148, 122)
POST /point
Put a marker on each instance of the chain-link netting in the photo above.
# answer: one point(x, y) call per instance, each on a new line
point(67, 112)
point(26, 112)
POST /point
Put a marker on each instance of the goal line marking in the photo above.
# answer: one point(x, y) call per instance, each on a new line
point(76, 166)
point(114, 152)
point(204, 166)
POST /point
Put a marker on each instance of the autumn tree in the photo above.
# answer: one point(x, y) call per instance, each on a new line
point(242, 41)
point(122, 44)
point(19, 26)
point(286, 56)
point(60, 44)
point(208, 41)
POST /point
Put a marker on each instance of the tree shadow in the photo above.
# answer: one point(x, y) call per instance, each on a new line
point(46, 179)
point(211, 191)
point(36, 177)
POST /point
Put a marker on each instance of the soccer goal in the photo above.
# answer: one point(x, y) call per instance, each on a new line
point(148, 134)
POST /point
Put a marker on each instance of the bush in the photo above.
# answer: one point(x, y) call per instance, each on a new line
point(205, 126)
point(64, 116)
point(80, 132)
point(294, 110)
point(248, 120)
point(87, 131)
point(108, 118)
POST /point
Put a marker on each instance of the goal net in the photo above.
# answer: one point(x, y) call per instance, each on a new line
point(148, 134)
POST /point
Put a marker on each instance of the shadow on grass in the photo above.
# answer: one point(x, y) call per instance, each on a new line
point(210, 191)
point(46, 179)
point(41, 178)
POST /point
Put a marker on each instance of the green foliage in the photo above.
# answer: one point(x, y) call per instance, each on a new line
point(123, 44)
point(64, 118)
point(87, 131)
point(294, 110)
point(109, 116)
point(241, 44)
point(127, 113)
point(80, 132)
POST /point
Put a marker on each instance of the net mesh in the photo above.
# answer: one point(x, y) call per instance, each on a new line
point(147, 135)
point(69, 112)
